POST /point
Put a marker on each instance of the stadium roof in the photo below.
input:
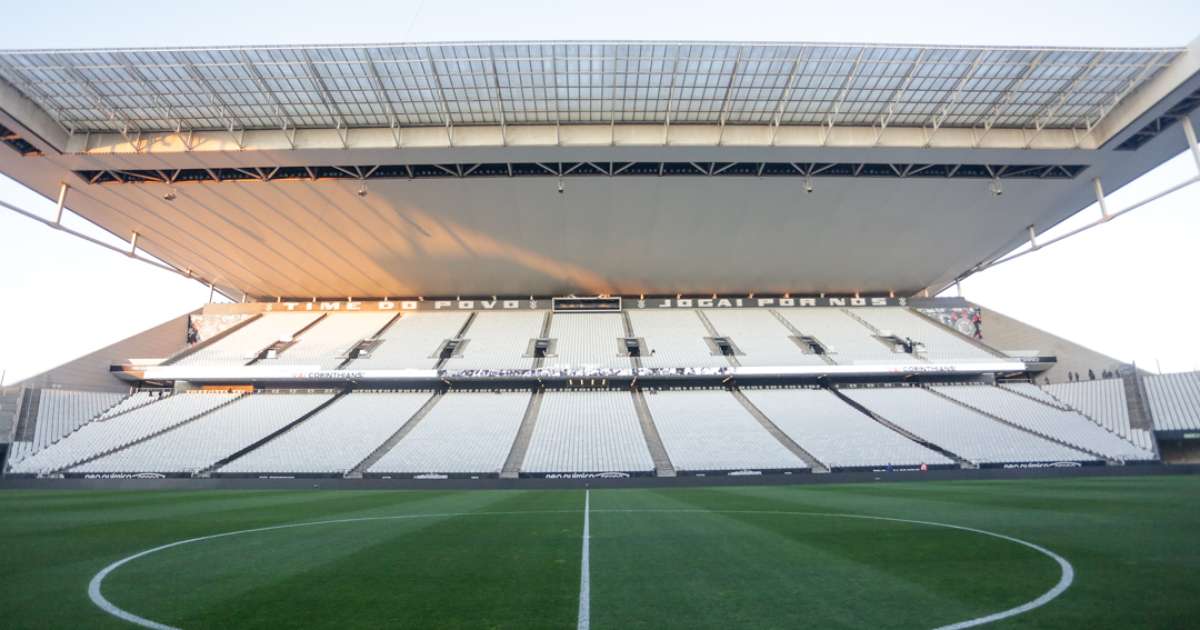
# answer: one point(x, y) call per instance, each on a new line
point(579, 82)
point(682, 165)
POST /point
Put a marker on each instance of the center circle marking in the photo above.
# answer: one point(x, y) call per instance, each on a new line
point(1066, 577)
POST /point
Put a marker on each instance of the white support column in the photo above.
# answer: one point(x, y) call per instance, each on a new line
point(1190, 132)
point(1104, 215)
point(1032, 238)
point(62, 202)
point(211, 290)
point(133, 245)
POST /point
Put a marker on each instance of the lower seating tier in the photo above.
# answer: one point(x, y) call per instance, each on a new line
point(588, 432)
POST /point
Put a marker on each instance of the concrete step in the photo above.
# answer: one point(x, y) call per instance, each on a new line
point(662, 461)
point(395, 438)
point(516, 455)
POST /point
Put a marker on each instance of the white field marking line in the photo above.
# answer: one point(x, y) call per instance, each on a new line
point(1064, 582)
point(585, 583)
point(1066, 577)
point(97, 580)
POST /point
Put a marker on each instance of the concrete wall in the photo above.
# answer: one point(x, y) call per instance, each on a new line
point(1006, 334)
point(90, 372)
point(8, 412)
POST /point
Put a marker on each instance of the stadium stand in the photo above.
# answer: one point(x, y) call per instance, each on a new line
point(587, 340)
point(954, 427)
point(133, 401)
point(61, 412)
point(336, 438)
point(1104, 402)
point(1052, 422)
point(708, 430)
point(497, 340)
point(941, 344)
point(846, 340)
point(762, 339)
point(243, 345)
point(1174, 401)
point(673, 339)
point(105, 435)
point(838, 435)
point(190, 447)
point(413, 341)
point(1030, 390)
point(464, 433)
point(327, 343)
point(588, 431)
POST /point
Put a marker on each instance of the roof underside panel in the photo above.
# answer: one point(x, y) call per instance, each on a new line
point(144, 90)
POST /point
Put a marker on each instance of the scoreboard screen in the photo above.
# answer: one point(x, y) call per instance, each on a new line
point(587, 304)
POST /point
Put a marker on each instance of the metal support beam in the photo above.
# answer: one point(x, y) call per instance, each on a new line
point(1104, 216)
point(133, 245)
point(147, 86)
point(724, 116)
point(832, 115)
point(499, 102)
point(381, 96)
point(1001, 104)
point(226, 114)
point(1190, 133)
point(62, 203)
point(285, 122)
point(983, 266)
point(894, 101)
point(1033, 244)
point(445, 104)
point(102, 102)
point(327, 99)
point(784, 96)
point(1051, 109)
point(95, 241)
point(1102, 110)
point(947, 106)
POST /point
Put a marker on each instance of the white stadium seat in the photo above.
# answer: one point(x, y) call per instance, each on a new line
point(1104, 401)
point(762, 339)
point(464, 433)
point(1033, 391)
point(244, 344)
point(499, 340)
point(960, 430)
point(1174, 400)
point(587, 431)
point(941, 343)
point(587, 340)
point(847, 341)
point(674, 339)
point(1063, 425)
point(337, 438)
point(105, 435)
point(205, 441)
point(413, 340)
point(61, 412)
point(327, 343)
point(709, 430)
point(837, 434)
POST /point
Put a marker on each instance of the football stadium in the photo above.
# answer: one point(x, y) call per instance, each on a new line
point(612, 334)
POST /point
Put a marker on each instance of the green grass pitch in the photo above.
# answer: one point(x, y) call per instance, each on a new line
point(733, 557)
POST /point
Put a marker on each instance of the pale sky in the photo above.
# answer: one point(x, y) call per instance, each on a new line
point(1126, 288)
